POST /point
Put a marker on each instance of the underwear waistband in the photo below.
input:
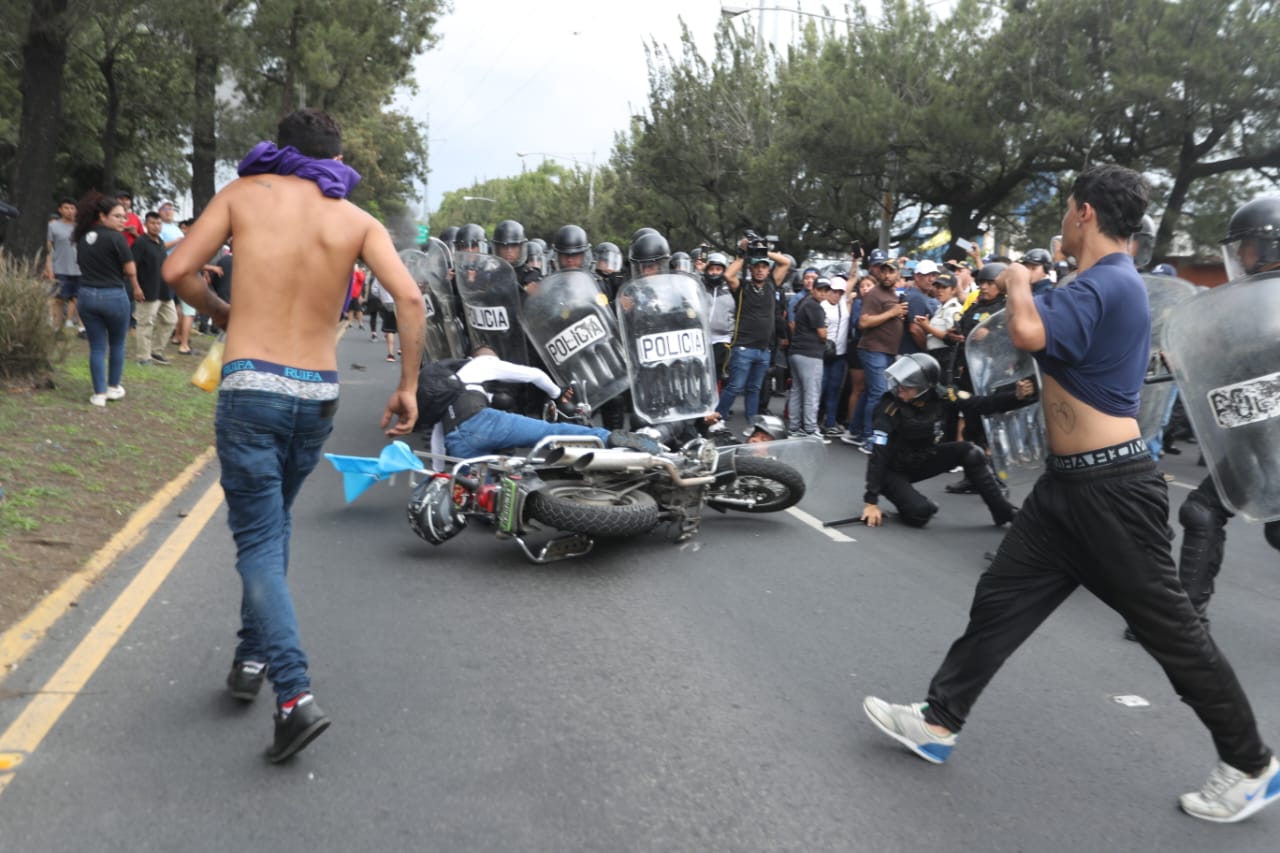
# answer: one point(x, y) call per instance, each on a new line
point(297, 374)
point(1129, 451)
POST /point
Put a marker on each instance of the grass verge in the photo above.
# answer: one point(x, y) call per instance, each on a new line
point(73, 473)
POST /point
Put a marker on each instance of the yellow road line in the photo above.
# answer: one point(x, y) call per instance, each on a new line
point(42, 712)
point(17, 642)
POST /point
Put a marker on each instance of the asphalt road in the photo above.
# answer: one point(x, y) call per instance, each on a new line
point(651, 696)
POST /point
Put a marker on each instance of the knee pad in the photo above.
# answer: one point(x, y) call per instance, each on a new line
point(917, 513)
point(1272, 531)
point(973, 455)
point(1197, 514)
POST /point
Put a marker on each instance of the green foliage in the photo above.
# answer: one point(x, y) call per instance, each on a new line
point(980, 117)
point(542, 200)
point(130, 105)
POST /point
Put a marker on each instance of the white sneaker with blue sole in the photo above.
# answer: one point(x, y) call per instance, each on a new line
point(906, 725)
point(1230, 795)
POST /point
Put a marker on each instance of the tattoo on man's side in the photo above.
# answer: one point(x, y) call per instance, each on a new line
point(1063, 415)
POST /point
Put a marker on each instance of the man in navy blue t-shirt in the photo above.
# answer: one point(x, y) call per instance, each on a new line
point(1098, 516)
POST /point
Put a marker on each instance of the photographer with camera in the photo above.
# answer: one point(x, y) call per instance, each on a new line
point(758, 322)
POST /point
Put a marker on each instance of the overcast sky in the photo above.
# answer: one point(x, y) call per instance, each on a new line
point(562, 77)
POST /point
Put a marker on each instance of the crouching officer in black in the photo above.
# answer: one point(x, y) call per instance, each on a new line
point(907, 427)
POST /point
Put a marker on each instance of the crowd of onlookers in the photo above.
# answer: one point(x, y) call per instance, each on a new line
point(103, 262)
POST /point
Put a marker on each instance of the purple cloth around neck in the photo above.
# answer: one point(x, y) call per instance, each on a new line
point(335, 178)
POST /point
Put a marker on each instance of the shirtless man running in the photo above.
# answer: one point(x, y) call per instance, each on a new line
point(296, 240)
point(1098, 517)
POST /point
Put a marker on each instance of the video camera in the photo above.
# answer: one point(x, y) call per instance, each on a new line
point(758, 248)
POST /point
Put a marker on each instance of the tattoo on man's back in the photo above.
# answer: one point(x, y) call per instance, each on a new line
point(263, 183)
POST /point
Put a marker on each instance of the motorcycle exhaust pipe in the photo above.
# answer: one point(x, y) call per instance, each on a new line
point(568, 455)
point(629, 460)
point(611, 460)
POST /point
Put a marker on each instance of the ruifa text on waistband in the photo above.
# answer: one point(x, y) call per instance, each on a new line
point(295, 373)
point(1116, 453)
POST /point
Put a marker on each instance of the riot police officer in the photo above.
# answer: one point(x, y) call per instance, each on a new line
point(607, 266)
point(510, 244)
point(907, 444)
point(572, 248)
point(1252, 246)
point(1038, 262)
point(470, 238)
point(1143, 243)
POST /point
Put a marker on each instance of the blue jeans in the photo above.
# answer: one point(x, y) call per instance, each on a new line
point(105, 312)
point(491, 430)
point(874, 363)
point(1155, 443)
point(267, 445)
point(747, 368)
point(833, 375)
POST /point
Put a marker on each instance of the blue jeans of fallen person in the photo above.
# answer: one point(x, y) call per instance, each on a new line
point(267, 445)
point(491, 430)
point(747, 369)
point(874, 365)
point(105, 312)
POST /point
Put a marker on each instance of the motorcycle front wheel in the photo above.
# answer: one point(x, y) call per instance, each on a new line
point(587, 509)
point(772, 485)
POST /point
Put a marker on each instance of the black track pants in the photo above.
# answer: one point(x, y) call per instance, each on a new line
point(1106, 529)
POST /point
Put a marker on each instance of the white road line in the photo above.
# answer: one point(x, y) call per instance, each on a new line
point(829, 532)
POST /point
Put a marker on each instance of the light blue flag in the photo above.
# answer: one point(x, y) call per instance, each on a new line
point(361, 472)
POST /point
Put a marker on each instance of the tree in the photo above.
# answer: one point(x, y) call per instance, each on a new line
point(44, 60)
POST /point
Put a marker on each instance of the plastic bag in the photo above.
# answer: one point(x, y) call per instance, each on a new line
point(209, 373)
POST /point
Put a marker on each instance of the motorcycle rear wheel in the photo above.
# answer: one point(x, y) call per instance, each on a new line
point(582, 508)
point(774, 485)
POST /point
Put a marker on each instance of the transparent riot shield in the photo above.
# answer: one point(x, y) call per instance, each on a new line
point(805, 454)
point(1017, 438)
point(491, 304)
point(1163, 293)
point(444, 300)
point(666, 340)
point(567, 320)
point(423, 268)
point(1224, 348)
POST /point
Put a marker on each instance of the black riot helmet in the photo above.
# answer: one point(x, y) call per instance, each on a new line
point(1038, 257)
point(509, 242)
point(535, 254)
point(640, 232)
point(572, 248)
point(916, 370)
point(470, 238)
point(509, 233)
point(608, 258)
point(989, 272)
point(447, 235)
point(1252, 244)
point(1143, 243)
point(571, 240)
point(649, 251)
point(681, 262)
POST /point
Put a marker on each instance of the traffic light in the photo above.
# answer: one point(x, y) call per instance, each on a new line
point(424, 233)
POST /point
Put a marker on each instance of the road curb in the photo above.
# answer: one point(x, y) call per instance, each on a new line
point(18, 641)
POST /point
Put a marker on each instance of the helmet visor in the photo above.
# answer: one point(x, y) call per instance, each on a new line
point(906, 373)
point(608, 259)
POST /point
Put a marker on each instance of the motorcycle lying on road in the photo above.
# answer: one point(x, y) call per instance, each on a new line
point(582, 491)
point(574, 487)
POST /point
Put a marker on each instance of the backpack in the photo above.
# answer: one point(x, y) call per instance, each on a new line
point(438, 387)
